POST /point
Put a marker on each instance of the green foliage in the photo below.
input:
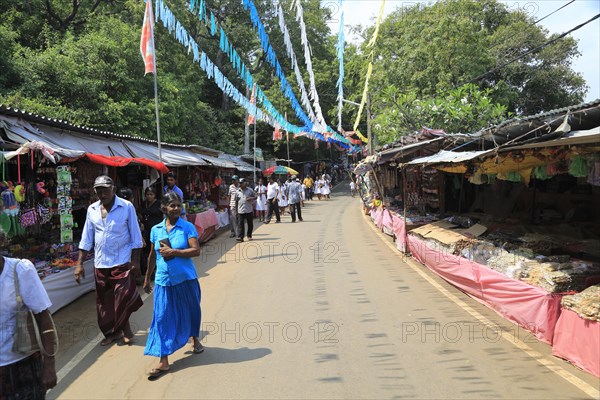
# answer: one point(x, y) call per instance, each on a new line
point(425, 54)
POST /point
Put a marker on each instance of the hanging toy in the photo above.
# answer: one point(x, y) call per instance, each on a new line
point(20, 193)
point(40, 189)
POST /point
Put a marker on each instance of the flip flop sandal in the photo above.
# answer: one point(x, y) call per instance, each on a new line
point(110, 340)
point(156, 373)
point(199, 349)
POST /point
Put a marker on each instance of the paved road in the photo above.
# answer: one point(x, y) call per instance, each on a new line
point(327, 309)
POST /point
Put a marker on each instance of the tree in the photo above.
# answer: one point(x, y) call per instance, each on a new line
point(426, 52)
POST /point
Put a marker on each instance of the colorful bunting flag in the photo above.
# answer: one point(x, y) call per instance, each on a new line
point(147, 40)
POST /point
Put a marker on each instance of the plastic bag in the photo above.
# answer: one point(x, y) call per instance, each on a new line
point(578, 167)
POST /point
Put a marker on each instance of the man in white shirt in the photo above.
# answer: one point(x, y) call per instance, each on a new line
point(272, 195)
point(295, 197)
point(233, 216)
point(111, 228)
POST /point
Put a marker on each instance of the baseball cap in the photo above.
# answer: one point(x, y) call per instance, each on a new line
point(103, 181)
point(235, 178)
point(293, 177)
point(243, 180)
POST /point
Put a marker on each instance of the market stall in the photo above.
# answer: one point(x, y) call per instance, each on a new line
point(577, 333)
point(206, 224)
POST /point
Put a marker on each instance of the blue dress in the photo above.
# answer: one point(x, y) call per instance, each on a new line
point(177, 313)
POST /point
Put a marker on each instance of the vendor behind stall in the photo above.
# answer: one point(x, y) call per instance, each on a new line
point(172, 187)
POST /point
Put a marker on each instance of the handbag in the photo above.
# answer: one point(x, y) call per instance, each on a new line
point(27, 338)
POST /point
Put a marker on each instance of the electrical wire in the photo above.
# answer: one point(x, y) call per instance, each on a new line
point(535, 23)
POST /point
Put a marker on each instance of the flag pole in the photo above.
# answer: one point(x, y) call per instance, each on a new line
point(254, 152)
point(162, 183)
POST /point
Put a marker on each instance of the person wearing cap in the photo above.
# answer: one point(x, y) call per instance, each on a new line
point(233, 216)
point(172, 187)
point(244, 201)
point(111, 228)
point(295, 197)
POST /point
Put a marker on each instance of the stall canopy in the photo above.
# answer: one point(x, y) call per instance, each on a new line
point(240, 165)
point(400, 152)
point(116, 161)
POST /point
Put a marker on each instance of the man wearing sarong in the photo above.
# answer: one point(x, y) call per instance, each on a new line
point(112, 230)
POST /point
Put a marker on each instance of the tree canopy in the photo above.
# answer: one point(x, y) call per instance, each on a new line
point(79, 61)
point(431, 64)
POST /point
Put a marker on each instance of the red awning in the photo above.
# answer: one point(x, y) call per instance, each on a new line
point(118, 161)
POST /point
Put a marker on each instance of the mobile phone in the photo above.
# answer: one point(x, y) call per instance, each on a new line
point(167, 243)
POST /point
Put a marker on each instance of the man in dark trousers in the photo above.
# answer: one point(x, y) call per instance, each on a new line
point(244, 201)
point(112, 230)
point(272, 195)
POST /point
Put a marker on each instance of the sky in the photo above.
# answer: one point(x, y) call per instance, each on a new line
point(365, 12)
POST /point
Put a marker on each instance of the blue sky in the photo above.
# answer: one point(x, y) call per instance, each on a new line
point(588, 64)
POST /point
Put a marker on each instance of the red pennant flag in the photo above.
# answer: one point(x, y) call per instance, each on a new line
point(277, 134)
point(147, 40)
point(251, 117)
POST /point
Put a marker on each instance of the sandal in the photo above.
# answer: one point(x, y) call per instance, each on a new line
point(156, 373)
point(198, 349)
point(110, 339)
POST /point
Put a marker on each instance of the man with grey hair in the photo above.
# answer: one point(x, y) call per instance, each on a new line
point(111, 228)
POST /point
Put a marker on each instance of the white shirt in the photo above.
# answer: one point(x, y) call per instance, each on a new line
point(272, 190)
point(112, 238)
point(34, 296)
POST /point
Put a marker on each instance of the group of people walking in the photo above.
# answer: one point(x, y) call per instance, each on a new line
point(120, 239)
point(272, 199)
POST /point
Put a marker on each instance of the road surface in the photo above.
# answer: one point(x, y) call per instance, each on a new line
point(325, 309)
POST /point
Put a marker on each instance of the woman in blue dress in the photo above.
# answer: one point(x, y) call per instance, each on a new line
point(176, 319)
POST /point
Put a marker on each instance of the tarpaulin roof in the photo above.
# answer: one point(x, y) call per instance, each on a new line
point(444, 156)
point(571, 138)
point(218, 162)
point(400, 152)
point(173, 157)
point(116, 161)
point(240, 165)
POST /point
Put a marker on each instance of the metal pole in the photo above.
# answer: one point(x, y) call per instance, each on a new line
point(287, 138)
point(246, 128)
point(254, 152)
point(369, 138)
point(162, 183)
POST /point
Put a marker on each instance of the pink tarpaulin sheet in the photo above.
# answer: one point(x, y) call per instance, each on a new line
point(377, 215)
point(528, 306)
point(386, 220)
point(578, 340)
point(400, 232)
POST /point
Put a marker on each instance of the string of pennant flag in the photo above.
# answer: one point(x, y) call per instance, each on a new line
point(270, 116)
point(317, 129)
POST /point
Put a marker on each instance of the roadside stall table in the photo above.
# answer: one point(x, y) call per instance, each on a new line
point(206, 224)
point(62, 288)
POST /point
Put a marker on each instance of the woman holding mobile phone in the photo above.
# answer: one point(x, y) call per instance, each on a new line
point(176, 318)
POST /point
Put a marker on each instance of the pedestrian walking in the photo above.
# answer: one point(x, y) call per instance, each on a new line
point(308, 183)
point(261, 200)
point(282, 200)
point(245, 198)
point(272, 200)
point(326, 188)
point(233, 215)
point(24, 374)
point(111, 228)
point(352, 188)
point(177, 314)
point(295, 193)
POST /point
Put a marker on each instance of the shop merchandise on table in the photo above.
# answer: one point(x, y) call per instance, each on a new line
point(544, 256)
